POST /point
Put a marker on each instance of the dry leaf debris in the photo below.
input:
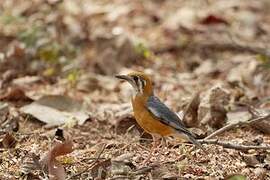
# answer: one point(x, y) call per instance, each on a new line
point(55, 169)
point(73, 49)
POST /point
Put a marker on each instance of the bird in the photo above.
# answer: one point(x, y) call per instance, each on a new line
point(151, 113)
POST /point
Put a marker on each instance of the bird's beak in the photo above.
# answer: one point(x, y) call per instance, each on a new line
point(124, 77)
point(128, 79)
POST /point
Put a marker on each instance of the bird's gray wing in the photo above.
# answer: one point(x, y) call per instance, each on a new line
point(168, 117)
point(165, 115)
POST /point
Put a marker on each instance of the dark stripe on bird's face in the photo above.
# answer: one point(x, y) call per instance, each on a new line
point(139, 83)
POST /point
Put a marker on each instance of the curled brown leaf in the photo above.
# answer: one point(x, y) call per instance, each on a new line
point(55, 169)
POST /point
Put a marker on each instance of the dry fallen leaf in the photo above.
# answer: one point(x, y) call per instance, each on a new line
point(8, 141)
point(55, 110)
point(114, 51)
point(3, 111)
point(191, 112)
point(250, 159)
point(125, 124)
point(212, 110)
point(260, 173)
point(264, 125)
point(122, 165)
point(15, 94)
point(26, 80)
point(55, 169)
point(234, 117)
point(212, 19)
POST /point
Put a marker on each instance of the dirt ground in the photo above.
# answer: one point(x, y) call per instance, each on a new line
point(209, 61)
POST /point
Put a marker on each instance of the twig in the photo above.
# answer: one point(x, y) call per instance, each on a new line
point(240, 123)
point(251, 109)
point(120, 177)
point(221, 130)
point(258, 119)
point(231, 145)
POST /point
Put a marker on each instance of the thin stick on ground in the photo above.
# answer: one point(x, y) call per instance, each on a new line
point(232, 145)
point(240, 123)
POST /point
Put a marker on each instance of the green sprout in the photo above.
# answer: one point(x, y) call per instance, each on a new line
point(141, 49)
point(73, 77)
point(265, 60)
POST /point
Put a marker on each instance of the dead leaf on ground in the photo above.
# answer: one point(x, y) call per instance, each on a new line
point(191, 112)
point(264, 125)
point(10, 123)
point(3, 111)
point(207, 67)
point(238, 116)
point(243, 71)
point(26, 80)
point(15, 94)
point(124, 124)
point(212, 19)
point(250, 159)
point(260, 173)
point(212, 110)
point(55, 110)
point(161, 172)
point(114, 51)
point(235, 117)
point(8, 141)
point(7, 77)
point(31, 164)
point(187, 20)
point(90, 82)
point(122, 165)
point(111, 111)
point(55, 169)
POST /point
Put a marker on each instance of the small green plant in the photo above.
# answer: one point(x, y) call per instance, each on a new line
point(30, 36)
point(10, 19)
point(236, 177)
point(50, 52)
point(73, 77)
point(265, 60)
point(141, 49)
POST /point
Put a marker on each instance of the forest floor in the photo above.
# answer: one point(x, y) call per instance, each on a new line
point(209, 61)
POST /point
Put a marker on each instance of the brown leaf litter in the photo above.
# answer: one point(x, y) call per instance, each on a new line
point(49, 161)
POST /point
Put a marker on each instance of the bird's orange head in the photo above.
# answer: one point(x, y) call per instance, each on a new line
point(141, 82)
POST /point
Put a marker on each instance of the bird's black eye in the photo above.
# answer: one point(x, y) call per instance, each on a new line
point(135, 78)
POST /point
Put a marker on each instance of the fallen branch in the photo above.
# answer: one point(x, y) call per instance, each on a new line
point(232, 145)
point(240, 123)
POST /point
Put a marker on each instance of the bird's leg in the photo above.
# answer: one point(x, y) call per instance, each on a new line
point(155, 142)
point(162, 146)
point(153, 148)
point(164, 143)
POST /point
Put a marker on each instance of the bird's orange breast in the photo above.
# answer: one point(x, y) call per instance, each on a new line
point(148, 121)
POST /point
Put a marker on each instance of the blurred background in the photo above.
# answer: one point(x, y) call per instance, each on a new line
point(219, 49)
